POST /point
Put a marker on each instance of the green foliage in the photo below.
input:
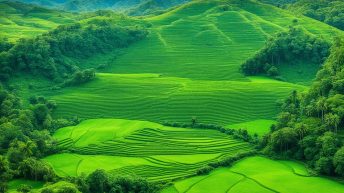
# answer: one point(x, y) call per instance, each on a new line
point(284, 49)
point(338, 161)
point(36, 170)
point(19, 20)
point(47, 54)
point(314, 119)
point(80, 77)
point(100, 181)
point(328, 11)
point(136, 7)
point(24, 188)
point(204, 170)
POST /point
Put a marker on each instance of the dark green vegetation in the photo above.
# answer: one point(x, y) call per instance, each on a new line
point(166, 99)
point(310, 126)
point(133, 7)
point(52, 54)
point(288, 49)
point(24, 138)
point(328, 11)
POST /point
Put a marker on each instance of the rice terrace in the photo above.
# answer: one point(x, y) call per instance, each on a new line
point(173, 96)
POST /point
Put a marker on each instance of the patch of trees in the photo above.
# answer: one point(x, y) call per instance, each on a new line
point(102, 181)
point(286, 48)
point(80, 77)
point(328, 11)
point(25, 137)
point(52, 54)
point(5, 45)
point(310, 125)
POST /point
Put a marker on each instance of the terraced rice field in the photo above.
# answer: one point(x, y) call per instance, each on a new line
point(18, 20)
point(189, 66)
point(257, 175)
point(259, 126)
point(157, 98)
point(142, 148)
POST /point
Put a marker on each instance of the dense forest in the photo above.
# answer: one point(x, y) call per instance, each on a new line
point(308, 126)
point(51, 54)
point(328, 11)
point(286, 48)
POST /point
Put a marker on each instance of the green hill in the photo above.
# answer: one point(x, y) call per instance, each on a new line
point(136, 6)
point(19, 20)
point(194, 53)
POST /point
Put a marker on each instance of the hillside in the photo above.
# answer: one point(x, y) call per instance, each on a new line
point(19, 20)
point(160, 103)
point(136, 7)
point(328, 11)
point(189, 70)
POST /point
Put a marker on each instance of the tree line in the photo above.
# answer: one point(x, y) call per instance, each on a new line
point(310, 126)
point(327, 11)
point(286, 48)
point(25, 137)
point(52, 54)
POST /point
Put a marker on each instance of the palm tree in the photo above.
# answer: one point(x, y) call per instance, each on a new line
point(322, 107)
point(332, 120)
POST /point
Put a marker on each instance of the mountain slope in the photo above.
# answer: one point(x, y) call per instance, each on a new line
point(19, 20)
point(189, 66)
point(91, 5)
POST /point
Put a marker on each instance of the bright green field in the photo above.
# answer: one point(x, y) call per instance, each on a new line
point(19, 20)
point(142, 148)
point(189, 66)
point(159, 98)
point(259, 127)
point(257, 175)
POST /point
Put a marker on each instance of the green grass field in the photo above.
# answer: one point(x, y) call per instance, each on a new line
point(189, 66)
point(259, 127)
point(257, 175)
point(19, 20)
point(158, 98)
point(142, 148)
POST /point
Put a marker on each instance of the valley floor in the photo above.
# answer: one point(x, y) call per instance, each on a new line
point(257, 175)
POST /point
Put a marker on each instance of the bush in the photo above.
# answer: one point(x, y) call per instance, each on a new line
point(205, 170)
point(24, 188)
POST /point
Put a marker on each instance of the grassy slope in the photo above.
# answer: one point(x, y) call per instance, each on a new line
point(154, 98)
point(252, 175)
point(199, 41)
point(18, 20)
point(144, 148)
point(259, 126)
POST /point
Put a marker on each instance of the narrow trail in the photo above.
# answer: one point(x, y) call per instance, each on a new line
point(262, 185)
point(236, 183)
